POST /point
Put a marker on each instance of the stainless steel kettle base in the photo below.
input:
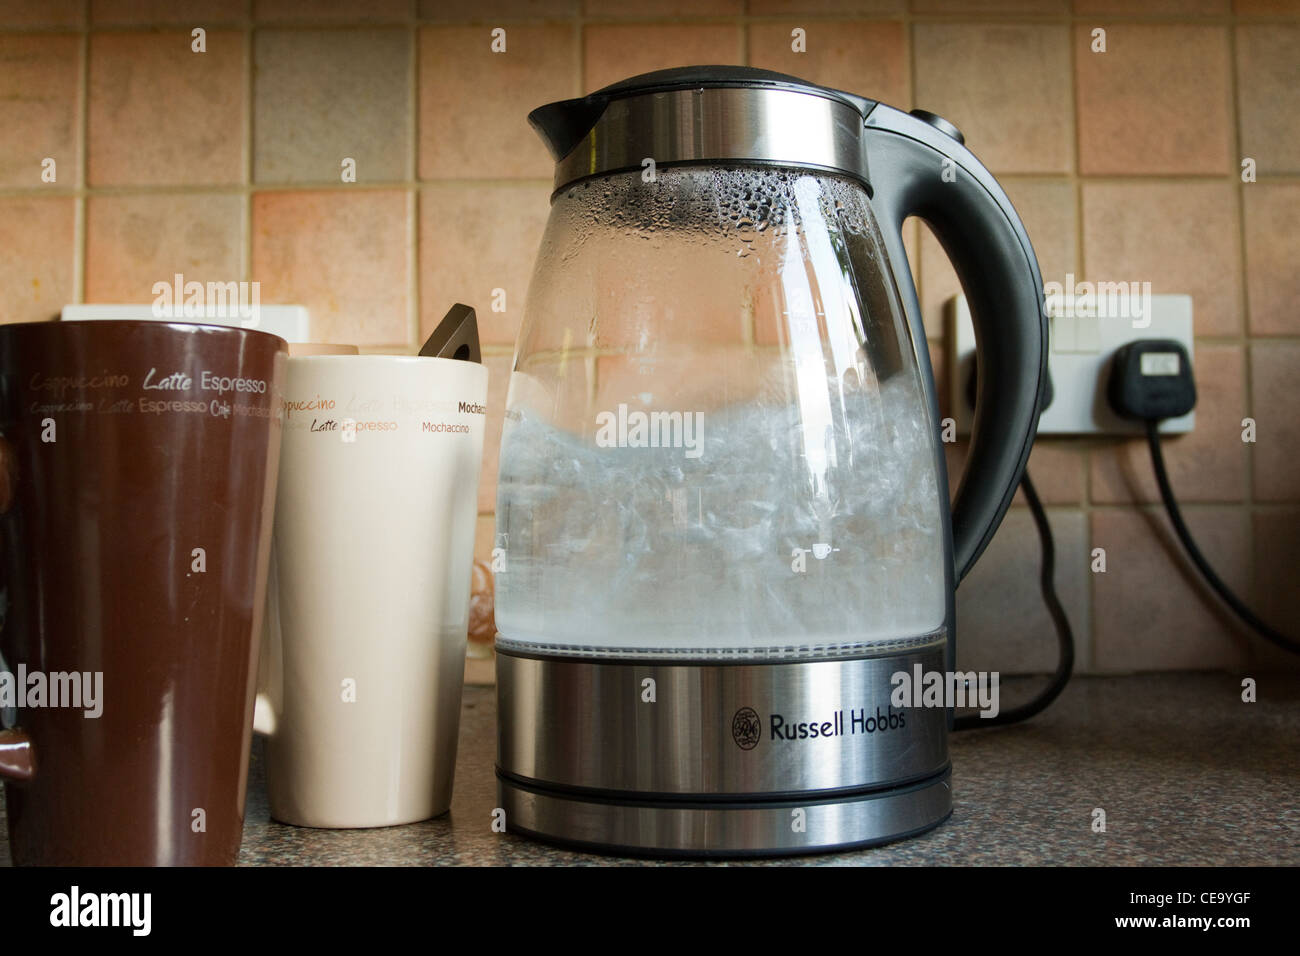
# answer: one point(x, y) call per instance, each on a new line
point(720, 759)
point(758, 828)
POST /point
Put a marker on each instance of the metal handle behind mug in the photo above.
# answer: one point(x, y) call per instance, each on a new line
point(919, 167)
point(17, 754)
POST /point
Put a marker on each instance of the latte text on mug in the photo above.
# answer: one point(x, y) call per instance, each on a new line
point(176, 381)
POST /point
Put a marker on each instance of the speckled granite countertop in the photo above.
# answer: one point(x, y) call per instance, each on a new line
point(1186, 772)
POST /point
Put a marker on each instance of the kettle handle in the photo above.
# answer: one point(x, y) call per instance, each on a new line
point(919, 167)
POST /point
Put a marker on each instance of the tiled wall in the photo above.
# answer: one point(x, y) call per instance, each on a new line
point(1124, 165)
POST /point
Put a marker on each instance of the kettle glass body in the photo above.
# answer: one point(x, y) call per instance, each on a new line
point(717, 444)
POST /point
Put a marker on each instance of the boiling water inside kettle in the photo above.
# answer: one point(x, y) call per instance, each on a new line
point(797, 514)
point(768, 541)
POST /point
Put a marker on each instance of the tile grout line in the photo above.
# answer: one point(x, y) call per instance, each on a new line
point(326, 185)
point(409, 20)
point(1076, 181)
point(243, 187)
point(1243, 303)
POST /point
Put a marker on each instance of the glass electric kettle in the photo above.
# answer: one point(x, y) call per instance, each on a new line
point(723, 525)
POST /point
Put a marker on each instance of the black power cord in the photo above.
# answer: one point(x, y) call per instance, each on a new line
point(1151, 381)
point(1189, 544)
point(1064, 635)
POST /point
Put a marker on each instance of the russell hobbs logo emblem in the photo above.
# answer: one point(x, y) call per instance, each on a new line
point(746, 728)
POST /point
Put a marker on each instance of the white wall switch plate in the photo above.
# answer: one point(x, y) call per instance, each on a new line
point(291, 322)
point(1081, 344)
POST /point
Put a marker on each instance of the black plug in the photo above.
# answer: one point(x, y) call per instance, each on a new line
point(1151, 380)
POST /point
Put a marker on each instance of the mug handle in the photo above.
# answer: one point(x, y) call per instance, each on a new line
point(17, 755)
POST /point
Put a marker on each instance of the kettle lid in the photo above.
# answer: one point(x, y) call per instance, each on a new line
point(747, 113)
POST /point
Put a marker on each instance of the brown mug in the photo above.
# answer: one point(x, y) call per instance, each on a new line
point(137, 489)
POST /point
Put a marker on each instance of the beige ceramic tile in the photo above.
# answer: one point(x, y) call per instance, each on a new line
point(1156, 101)
point(1268, 95)
point(475, 240)
point(42, 13)
point(1208, 464)
point(163, 115)
point(193, 13)
point(343, 254)
point(327, 11)
point(474, 104)
point(1275, 370)
point(939, 369)
point(868, 58)
point(938, 284)
point(619, 51)
point(1180, 237)
point(1016, 118)
point(1272, 257)
point(1002, 622)
point(1277, 599)
point(1047, 208)
point(1058, 469)
point(40, 93)
point(321, 97)
point(36, 271)
point(1266, 8)
point(134, 241)
point(1151, 610)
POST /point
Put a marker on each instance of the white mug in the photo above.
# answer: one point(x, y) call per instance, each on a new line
point(363, 664)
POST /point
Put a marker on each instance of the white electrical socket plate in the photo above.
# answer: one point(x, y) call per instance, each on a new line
point(1080, 346)
point(291, 322)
